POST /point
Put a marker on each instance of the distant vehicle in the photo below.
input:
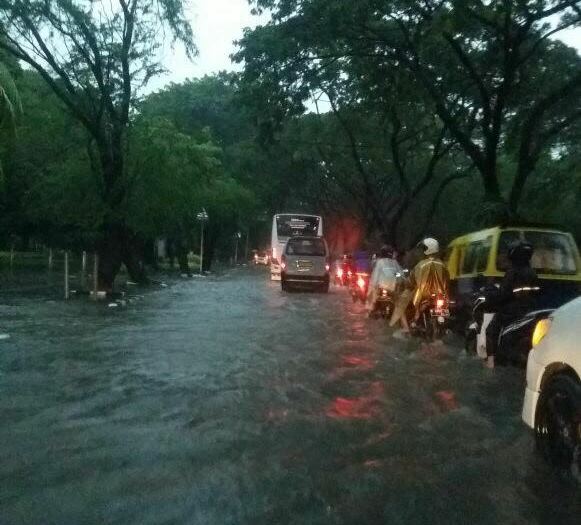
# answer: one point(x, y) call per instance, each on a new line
point(480, 259)
point(285, 226)
point(305, 263)
point(552, 404)
point(338, 273)
point(342, 271)
point(358, 286)
point(261, 258)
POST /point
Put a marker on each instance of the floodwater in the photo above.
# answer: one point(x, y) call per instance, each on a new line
point(223, 401)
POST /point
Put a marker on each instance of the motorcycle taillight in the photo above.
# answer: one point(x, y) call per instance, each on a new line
point(441, 302)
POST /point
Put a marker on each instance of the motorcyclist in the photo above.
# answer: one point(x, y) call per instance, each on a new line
point(383, 276)
point(362, 261)
point(516, 296)
point(430, 275)
point(347, 266)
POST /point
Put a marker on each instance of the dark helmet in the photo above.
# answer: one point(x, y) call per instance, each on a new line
point(520, 254)
point(386, 252)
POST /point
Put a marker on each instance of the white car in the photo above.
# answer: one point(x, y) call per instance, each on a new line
point(261, 258)
point(552, 405)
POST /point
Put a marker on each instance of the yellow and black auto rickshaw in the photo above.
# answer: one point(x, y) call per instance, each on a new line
point(480, 259)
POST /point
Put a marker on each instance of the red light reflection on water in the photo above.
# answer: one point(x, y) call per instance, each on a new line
point(447, 400)
point(362, 407)
point(360, 362)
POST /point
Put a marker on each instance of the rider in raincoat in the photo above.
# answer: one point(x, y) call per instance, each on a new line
point(384, 275)
point(430, 276)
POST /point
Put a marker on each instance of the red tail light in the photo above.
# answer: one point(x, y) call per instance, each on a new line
point(361, 283)
point(327, 267)
point(283, 262)
point(441, 302)
point(339, 272)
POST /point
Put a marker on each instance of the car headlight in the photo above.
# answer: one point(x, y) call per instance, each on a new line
point(541, 330)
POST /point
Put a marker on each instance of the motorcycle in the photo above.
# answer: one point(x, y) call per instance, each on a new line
point(515, 339)
point(343, 274)
point(358, 286)
point(384, 304)
point(434, 314)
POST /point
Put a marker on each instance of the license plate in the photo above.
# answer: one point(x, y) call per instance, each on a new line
point(304, 266)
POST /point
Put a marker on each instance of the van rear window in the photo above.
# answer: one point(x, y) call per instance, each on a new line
point(554, 253)
point(313, 247)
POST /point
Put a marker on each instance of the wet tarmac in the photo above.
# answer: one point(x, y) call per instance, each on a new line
point(221, 400)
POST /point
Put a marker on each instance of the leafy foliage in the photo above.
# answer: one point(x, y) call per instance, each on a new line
point(489, 70)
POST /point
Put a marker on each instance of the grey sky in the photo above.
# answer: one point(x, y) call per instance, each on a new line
point(217, 23)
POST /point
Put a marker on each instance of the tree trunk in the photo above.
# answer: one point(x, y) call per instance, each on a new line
point(495, 209)
point(526, 165)
point(119, 246)
point(182, 256)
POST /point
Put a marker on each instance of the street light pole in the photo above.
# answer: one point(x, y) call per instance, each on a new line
point(237, 237)
point(202, 217)
point(202, 247)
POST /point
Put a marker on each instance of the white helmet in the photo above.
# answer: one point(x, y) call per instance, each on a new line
point(430, 246)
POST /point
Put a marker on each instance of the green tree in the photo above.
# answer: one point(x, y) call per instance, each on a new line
point(493, 74)
point(208, 109)
point(95, 57)
point(51, 193)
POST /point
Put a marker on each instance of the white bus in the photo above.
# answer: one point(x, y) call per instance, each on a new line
point(285, 226)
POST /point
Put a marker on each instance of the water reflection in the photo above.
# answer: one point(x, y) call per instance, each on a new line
point(224, 401)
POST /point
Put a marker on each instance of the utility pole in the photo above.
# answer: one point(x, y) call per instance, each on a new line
point(95, 275)
point(203, 218)
point(66, 275)
point(237, 237)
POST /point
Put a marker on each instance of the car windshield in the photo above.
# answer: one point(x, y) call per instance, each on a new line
point(312, 247)
point(293, 225)
point(554, 253)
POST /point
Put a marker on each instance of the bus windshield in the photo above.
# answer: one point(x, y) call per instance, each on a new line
point(292, 225)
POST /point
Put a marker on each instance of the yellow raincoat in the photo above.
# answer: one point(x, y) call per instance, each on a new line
point(430, 276)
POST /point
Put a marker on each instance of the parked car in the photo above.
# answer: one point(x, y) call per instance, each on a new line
point(305, 263)
point(480, 259)
point(552, 404)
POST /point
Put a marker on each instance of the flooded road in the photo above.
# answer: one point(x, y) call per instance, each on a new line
point(223, 401)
